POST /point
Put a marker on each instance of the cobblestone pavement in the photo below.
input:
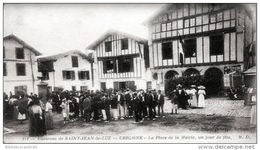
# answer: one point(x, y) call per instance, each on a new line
point(218, 106)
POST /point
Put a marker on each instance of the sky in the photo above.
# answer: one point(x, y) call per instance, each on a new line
point(56, 28)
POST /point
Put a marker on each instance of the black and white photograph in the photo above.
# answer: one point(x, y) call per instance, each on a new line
point(179, 73)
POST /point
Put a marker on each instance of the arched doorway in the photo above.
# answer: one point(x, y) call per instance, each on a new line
point(169, 77)
point(213, 81)
point(191, 72)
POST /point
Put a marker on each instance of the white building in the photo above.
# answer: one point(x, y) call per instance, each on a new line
point(72, 70)
point(19, 66)
point(122, 61)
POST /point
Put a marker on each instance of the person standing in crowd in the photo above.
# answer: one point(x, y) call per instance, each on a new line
point(13, 102)
point(145, 106)
point(107, 101)
point(174, 101)
point(43, 130)
point(151, 106)
point(129, 102)
point(193, 93)
point(121, 102)
point(65, 110)
point(22, 108)
point(137, 108)
point(160, 98)
point(81, 108)
point(96, 101)
point(35, 119)
point(48, 115)
point(86, 105)
point(114, 103)
point(182, 97)
point(155, 102)
point(201, 99)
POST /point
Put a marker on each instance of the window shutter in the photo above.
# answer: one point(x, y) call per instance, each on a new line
point(79, 75)
point(64, 75)
point(87, 75)
point(73, 75)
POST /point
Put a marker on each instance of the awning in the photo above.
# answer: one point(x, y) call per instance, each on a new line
point(250, 71)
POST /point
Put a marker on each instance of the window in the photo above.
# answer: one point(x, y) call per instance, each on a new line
point(73, 88)
point(74, 60)
point(216, 45)
point(103, 86)
point(192, 22)
point(68, 75)
point(213, 18)
point(20, 69)
point(109, 66)
point(4, 69)
point(19, 53)
point(124, 44)
point(84, 88)
point(167, 50)
point(163, 27)
point(45, 75)
point(220, 16)
point(125, 65)
point(186, 23)
point(108, 46)
point(190, 46)
point(83, 75)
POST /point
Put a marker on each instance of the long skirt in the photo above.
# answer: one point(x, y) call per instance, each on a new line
point(49, 120)
point(201, 100)
point(194, 100)
point(35, 125)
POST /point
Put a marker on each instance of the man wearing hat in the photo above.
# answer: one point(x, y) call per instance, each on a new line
point(160, 98)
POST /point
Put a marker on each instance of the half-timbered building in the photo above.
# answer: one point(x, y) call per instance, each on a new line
point(200, 39)
point(121, 61)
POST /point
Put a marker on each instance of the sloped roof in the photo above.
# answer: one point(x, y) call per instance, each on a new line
point(14, 37)
point(167, 7)
point(111, 32)
point(56, 56)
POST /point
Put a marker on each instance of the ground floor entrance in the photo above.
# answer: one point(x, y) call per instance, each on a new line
point(124, 85)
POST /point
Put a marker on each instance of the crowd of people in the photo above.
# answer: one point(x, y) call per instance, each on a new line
point(97, 106)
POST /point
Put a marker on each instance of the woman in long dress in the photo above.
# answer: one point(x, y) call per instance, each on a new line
point(48, 116)
point(193, 93)
point(201, 99)
point(65, 110)
point(35, 119)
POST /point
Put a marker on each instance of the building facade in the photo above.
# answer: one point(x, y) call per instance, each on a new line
point(72, 70)
point(122, 61)
point(199, 39)
point(19, 66)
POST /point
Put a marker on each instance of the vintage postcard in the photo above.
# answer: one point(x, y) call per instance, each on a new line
point(129, 73)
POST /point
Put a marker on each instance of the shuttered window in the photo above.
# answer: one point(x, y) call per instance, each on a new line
point(20, 69)
point(68, 75)
point(19, 53)
point(125, 65)
point(167, 50)
point(75, 62)
point(216, 45)
point(108, 46)
point(83, 75)
point(124, 44)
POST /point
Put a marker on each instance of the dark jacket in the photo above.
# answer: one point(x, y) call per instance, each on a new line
point(114, 102)
point(136, 104)
point(160, 99)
